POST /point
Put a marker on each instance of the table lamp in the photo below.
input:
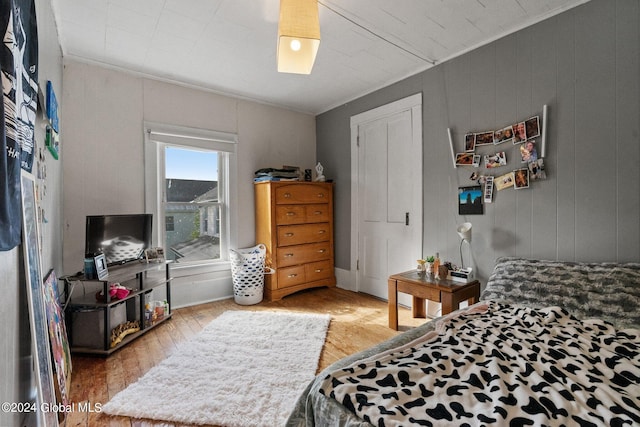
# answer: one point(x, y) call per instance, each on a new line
point(464, 231)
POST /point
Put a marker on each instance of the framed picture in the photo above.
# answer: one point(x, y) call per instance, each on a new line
point(58, 337)
point(470, 200)
point(52, 107)
point(35, 297)
point(101, 266)
point(52, 142)
point(521, 178)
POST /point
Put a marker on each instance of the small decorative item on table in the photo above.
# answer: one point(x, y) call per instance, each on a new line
point(443, 271)
point(421, 266)
point(430, 260)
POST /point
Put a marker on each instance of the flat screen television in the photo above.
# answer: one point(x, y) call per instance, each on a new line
point(121, 238)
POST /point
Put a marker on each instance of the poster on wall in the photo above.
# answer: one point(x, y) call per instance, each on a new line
point(19, 63)
point(21, 100)
point(52, 107)
point(470, 200)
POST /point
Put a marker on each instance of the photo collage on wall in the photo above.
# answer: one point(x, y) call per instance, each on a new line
point(530, 165)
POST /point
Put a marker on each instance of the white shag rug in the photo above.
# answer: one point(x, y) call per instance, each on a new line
point(245, 368)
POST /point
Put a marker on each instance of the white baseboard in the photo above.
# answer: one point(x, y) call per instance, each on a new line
point(344, 279)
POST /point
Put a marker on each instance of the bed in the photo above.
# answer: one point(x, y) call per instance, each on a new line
point(550, 343)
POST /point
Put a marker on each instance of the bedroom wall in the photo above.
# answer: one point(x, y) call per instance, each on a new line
point(17, 380)
point(103, 149)
point(584, 64)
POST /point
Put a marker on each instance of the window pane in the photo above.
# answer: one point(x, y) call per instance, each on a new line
point(196, 232)
point(191, 175)
point(192, 196)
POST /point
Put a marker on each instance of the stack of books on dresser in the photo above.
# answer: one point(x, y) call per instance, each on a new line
point(271, 174)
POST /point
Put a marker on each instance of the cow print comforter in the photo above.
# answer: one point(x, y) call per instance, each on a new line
point(500, 364)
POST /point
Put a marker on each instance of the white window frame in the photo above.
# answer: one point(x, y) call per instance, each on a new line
point(157, 136)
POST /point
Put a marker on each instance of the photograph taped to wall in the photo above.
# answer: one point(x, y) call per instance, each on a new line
point(480, 179)
point(495, 160)
point(504, 181)
point(488, 190)
point(464, 159)
point(521, 178)
point(470, 200)
point(484, 138)
point(536, 170)
point(470, 142)
point(503, 135)
point(528, 152)
point(519, 134)
point(532, 127)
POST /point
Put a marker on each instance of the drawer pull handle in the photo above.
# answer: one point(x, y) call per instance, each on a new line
point(291, 213)
point(320, 195)
point(292, 276)
point(287, 195)
point(288, 234)
point(321, 251)
point(318, 270)
point(322, 231)
point(317, 213)
point(288, 255)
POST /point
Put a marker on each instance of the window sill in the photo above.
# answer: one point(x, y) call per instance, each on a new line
point(196, 267)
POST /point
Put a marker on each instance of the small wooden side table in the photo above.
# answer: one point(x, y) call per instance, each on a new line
point(422, 287)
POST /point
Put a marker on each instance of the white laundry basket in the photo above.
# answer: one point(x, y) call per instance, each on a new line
point(247, 272)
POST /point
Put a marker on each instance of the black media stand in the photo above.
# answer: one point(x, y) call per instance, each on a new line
point(87, 311)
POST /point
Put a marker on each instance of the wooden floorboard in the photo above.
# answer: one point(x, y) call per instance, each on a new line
point(358, 321)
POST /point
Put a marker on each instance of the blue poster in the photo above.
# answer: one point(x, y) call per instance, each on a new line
point(52, 107)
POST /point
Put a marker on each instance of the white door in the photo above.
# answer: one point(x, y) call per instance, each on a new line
point(388, 193)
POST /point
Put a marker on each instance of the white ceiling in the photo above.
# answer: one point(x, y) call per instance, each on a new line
point(229, 46)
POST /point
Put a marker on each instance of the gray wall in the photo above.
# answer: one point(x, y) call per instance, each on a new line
point(16, 379)
point(105, 112)
point(584, 64)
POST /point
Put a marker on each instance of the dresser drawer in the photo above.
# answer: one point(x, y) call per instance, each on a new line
point(302, 254)
point(318, 270)
point(291, 214)
point(301, 193)
point(317, 213)
point(299, 234)
point(291, 276)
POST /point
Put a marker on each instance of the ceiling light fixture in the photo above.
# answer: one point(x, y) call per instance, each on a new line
point(298, 36)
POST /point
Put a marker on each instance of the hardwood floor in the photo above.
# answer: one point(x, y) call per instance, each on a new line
point(358, 321)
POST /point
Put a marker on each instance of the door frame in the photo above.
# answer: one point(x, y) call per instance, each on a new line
point(413, 103)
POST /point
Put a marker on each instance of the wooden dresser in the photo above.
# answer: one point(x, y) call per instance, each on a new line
point(295, 221)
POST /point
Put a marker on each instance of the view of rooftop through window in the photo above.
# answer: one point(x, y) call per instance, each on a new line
point(192, 204)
